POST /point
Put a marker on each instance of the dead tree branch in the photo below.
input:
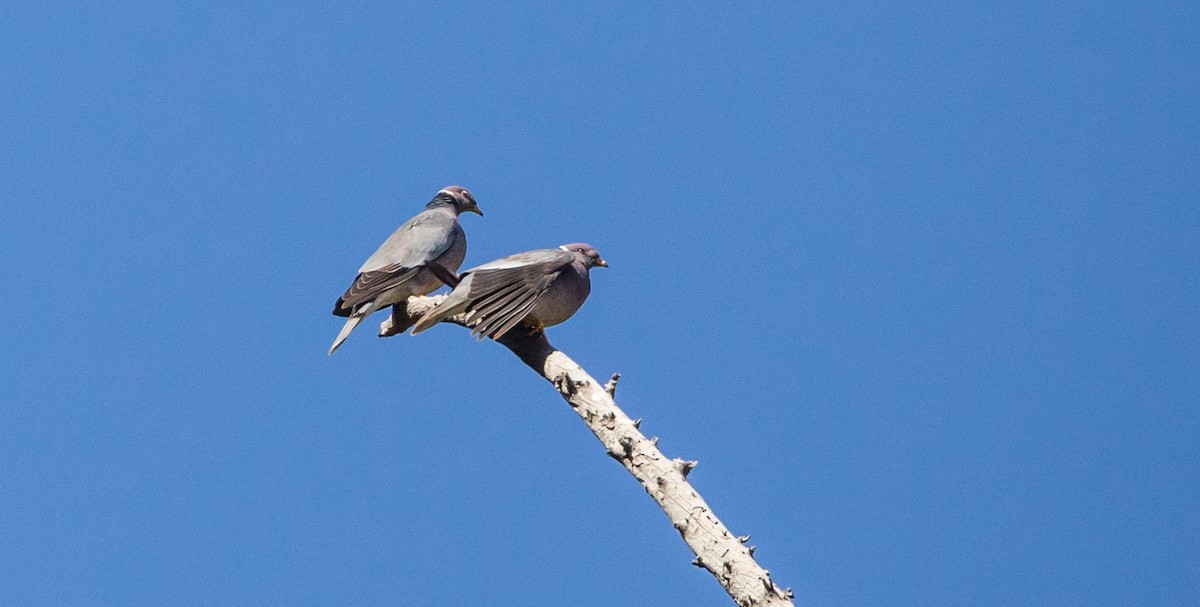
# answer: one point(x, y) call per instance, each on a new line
point(717, 550)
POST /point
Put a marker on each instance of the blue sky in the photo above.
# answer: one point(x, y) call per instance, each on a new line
point(917, 285)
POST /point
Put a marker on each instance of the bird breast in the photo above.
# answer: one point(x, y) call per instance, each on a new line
point(564, 296)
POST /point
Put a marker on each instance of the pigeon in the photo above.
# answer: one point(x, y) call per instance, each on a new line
point(536, 289)
point(416, 259)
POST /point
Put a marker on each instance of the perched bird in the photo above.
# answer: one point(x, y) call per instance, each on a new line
point(416, 259)
point(536, 289)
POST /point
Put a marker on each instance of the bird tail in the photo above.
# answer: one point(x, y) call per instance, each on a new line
point(444, 310)
point(351, 323)
point(455, 303)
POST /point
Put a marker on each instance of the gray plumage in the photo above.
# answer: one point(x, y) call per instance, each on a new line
point(415, 260)
point(535, 289)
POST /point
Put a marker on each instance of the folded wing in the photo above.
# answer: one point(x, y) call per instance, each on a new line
point(420, 240)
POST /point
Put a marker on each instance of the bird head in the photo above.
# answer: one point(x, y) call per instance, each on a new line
point(460, 197)
point(587, 254)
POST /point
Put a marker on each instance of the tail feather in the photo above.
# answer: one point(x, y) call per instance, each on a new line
point(341, 309)
point(351, 323)
point(444, 310)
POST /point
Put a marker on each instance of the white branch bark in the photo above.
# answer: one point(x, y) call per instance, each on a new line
point(716, 549)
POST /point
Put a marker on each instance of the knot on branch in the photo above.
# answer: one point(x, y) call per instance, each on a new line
point(684, 467)
point(773, 588)
point(609, 420)
point(565, 385)
point(626, 450)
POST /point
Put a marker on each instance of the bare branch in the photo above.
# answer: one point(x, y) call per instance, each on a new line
point(717, 550)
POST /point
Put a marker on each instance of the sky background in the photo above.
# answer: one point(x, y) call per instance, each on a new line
point(917, 285)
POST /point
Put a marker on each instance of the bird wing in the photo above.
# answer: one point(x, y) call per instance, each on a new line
point(420, 240)
point(503, 292)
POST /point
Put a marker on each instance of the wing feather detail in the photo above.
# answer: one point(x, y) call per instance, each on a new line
point(498, 295)
point(368, 285)
point(502, 295)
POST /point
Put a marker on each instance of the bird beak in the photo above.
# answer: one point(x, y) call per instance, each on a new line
point(475, 210)
point(602, 263)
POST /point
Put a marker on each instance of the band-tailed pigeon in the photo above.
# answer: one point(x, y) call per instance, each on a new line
point(415, 260)
point(536, 289)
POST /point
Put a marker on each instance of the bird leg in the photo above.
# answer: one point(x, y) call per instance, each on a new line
point(446, 276)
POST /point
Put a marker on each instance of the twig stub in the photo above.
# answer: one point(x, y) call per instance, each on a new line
point(611, 386)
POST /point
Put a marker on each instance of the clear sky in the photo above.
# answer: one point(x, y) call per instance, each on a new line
point(917, 285)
